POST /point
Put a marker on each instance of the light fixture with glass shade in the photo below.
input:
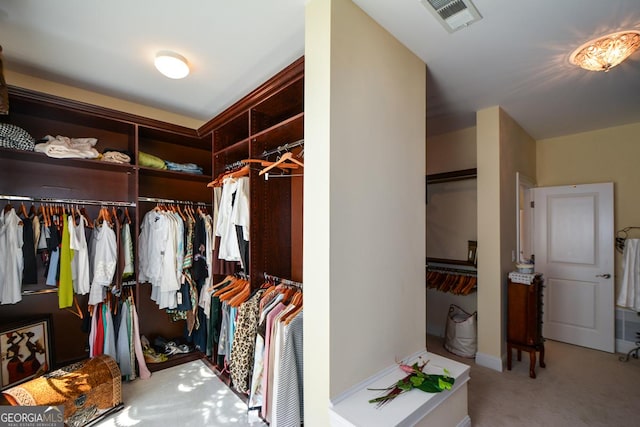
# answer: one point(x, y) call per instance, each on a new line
point(171, 64)
point(606, 52)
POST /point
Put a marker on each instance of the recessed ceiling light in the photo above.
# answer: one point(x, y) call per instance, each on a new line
point(606, 52)
point(171, 64)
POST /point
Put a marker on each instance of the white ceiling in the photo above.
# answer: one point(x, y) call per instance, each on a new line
point(515, 57)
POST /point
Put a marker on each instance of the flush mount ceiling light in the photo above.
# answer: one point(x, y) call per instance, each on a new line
point(606, 52)
point(171, 64)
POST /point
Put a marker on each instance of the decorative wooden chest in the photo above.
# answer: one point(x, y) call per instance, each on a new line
point(88, 390)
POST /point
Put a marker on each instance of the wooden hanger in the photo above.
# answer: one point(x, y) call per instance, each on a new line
point(229, 291)
point(126, 215)
point(45, 217)
point(23, 210)
point(284, 158)
point(227, 279)
point(77, 312)
point(295, 302)
point(267, 163)
point(243, 171)
point(88, 221)
point(115, 216)
point(241, 296)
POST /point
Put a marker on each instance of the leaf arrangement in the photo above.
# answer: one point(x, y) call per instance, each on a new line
point(416, 378)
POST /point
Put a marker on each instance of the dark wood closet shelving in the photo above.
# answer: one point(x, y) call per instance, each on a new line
point(282, 132)
point(164, 173)
point(270, 116)
point(34, 174)
point(450, 261)
point(34, 157)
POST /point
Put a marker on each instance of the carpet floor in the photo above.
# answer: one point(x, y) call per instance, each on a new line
point(578, 387)
point(188, 395)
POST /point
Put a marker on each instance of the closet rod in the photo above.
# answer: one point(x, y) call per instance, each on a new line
point(281, 280)
point(268, 176)
point(285, 147)
point(234, 165)
point(452, 270)
point(170, 201)
point(67, 201)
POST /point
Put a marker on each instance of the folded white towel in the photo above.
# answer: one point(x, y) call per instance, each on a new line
point(62, 147)
point(629, 290)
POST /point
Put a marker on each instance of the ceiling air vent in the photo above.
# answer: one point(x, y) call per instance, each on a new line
point(453, 14)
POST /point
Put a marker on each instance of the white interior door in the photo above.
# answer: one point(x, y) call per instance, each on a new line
point(573, 243)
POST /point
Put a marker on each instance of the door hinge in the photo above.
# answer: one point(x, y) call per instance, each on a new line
point(533, 204)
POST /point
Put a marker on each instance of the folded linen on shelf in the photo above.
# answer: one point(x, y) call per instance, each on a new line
point(183, 167)
point(150, 161)
point(14, 137)
point(115, 157)
point(63, 147)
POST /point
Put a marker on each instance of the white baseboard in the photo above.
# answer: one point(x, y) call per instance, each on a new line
point(466, 422)
point(623, 346)
point(491, 362)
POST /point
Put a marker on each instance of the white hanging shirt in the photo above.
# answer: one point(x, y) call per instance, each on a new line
point(232, 212)
point(11, 257)
point(104, 263)
point(80, 261)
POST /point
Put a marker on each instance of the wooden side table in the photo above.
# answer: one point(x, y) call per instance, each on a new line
point(524, 320)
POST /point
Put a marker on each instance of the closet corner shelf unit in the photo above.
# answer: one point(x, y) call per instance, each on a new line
point(38, 176)
point(271, 116)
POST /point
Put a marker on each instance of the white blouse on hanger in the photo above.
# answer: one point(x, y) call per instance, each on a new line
point(11, 258)
point(80, 260)
point(233, 210)
point(104, 262)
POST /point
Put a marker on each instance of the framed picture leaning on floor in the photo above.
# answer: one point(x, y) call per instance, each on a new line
point(25, 350)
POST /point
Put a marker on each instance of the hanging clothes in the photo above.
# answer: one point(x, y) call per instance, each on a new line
point(29, 273)
point(288, 401)
point(233, 211)
point(242, 348)
point(158, 256)
point(65, 287)
point(629, 288)
point(127, 249)
point(80, 261)
point(105, 257)
point(11, 259)
point(123, 348)
point(219, 265)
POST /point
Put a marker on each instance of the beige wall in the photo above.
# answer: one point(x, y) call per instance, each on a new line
point(489, 242)
point(364, 233)
point(70, 92)
point(517, 154)
point(503, 149)
point(316, 256)
point(451, 151)
point(605, 155)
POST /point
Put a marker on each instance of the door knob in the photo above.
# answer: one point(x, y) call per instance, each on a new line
point(604, 276)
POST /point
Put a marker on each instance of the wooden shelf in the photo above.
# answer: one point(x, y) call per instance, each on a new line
point(452, 176)
point(451, 261)
point(164, 173)
point(35, 157)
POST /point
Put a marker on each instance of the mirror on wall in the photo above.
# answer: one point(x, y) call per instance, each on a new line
point(524, 217)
